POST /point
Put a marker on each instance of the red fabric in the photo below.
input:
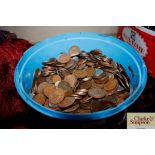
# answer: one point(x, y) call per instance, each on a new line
point(10, 53)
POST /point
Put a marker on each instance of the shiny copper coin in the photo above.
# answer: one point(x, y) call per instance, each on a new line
point(40, 98)
point(96, 92)
point(68, 101)
point(111, 85)
point(56, 96)
point(64, 58)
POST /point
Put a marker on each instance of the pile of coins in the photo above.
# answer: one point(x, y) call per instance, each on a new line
point(80, 82)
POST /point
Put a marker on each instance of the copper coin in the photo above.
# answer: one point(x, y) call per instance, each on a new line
point(83, 111)
point(98, 105)
point(41, 87)
point(56, 96)
point(70, 63)
point(86, 85)
point(90, 71)
point(86, 79)
point(56, 78)
point(86, 106)
point(81, 67)
point(119, 100)
point(111, 85)
point(81, 61)
point(64, 58)
point(96, 52)
point(102, 80)
point(48, 89)
point(40, 98)
point(82, 90)
point(66, 87)
point(94, 84)
point(41, 79)
point(64, 72)
point(78, 97)
point(71, 79)
point(68, 101)
point(71, 109)
point(81, 93)
point(96, 92)
point(46, 104)
point(49, 79)
point(80, 73)
point(74, 50)
point(85, 99)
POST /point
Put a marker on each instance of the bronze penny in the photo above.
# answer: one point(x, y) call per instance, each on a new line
point(111, 85)
point(85, 99)
point(48, 89)
point(46, 104)
point(80, 73)
point(83, 111)
point(70, 63)
point(40, 98)
point(56, 96)
point(86, 85)
point(56, 78)
point(68, 101)
point(90, 71)
point(64, 58)
point(71, 79)
point(71, 109)
point(41, 87)
point(49, 79)
point(41, 79)
point(74, 51)
point(96, 92)
point(98, 105)
point(66, 87)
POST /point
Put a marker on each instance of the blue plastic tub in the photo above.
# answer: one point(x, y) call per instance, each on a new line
point(51, 47)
